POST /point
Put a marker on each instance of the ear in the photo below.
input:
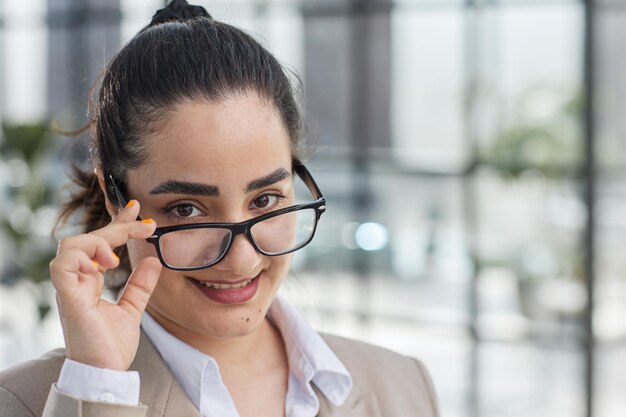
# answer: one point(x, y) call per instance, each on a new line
point(112, 209)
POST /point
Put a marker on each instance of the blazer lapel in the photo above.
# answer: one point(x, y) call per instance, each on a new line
point(178, 404)
point(166, 397)
point(367, 406)
point(159, 388)
point(356, 405)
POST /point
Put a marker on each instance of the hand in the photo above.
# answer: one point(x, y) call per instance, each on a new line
point(97, 332)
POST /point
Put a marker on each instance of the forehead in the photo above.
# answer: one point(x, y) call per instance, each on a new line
point(242, 136)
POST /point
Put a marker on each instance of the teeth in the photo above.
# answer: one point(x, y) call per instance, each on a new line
point(223, 286)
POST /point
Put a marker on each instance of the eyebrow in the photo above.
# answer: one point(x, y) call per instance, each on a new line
point(184, 187)
point(209, 190)
point(276, 176)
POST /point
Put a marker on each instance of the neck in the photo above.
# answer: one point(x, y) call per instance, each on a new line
point(235, 353)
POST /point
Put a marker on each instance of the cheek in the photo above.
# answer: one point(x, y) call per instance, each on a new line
point(279, 265)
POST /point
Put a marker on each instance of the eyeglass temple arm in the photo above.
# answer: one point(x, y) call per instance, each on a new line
point(306, 176)
point(113, 190)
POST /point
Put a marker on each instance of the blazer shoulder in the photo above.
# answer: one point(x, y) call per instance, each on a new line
point(398, 382)
point(342, 344)
point(29, 383)
point(365, 355)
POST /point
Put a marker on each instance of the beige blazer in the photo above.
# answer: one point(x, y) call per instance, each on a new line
point(386, 384)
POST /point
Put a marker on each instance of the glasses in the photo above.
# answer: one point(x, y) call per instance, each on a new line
point(190, 247)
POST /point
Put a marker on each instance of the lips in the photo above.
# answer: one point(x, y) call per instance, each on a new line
point(228, 293)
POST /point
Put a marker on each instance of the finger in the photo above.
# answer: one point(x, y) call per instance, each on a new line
point(101, 268)
point(67, 268)
point(125, 227)
point(140, 286)
point(95, 282)
point(130, 212)
point(118, 234)
point(95, 246)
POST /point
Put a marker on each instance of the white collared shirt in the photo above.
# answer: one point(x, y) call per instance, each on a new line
point(309, 357)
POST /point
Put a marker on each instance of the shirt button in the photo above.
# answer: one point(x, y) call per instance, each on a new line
point(106, 397)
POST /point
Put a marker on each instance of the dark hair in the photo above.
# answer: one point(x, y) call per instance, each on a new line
point(173, 59)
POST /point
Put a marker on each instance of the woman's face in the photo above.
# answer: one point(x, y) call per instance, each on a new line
point(231, 154)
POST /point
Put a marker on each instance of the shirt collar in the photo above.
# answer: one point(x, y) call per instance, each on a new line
point(310, 358)
point(186, 362)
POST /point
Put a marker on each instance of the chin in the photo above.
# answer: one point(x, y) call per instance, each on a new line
point(238, 325)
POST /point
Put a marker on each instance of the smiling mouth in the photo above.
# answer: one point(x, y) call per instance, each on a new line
point(223, 286)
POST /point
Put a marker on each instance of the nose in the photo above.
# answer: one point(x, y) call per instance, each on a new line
point(242, 258)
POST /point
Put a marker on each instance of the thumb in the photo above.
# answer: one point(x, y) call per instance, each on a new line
point(139, 287)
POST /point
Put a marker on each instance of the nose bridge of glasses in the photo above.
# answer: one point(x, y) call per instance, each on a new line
point(237, 229)
point(239, 239)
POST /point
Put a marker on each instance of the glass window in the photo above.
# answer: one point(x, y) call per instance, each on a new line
point(427, 88)
point(24, 74)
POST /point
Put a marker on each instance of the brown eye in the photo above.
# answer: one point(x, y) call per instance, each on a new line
point(267, 202)
point(262, 201)
point(184, 210)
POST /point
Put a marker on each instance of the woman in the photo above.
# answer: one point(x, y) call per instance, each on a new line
point(197, 162)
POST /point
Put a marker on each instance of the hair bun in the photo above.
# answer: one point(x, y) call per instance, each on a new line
point(178, 10)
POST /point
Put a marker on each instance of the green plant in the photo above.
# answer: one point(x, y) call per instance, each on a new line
point(28, 194)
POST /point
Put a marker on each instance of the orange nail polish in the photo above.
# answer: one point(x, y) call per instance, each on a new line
point(130, 203)
point(117, 258)
point(95, 263)
point(147, 221)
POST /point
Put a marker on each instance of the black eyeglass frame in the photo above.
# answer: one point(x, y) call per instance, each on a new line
point(114, 189)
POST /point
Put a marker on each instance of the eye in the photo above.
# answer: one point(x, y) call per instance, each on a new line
point(184, 210)
point(266, 201)
point(263, 201)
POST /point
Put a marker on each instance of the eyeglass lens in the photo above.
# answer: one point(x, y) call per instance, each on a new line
point(203, 246)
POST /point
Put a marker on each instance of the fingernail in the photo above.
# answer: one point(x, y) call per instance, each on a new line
point(130, 203)
point(147, 221)
point(117, 258)
point(95, 263)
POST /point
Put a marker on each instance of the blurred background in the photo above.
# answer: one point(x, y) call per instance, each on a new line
point(473, 156)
